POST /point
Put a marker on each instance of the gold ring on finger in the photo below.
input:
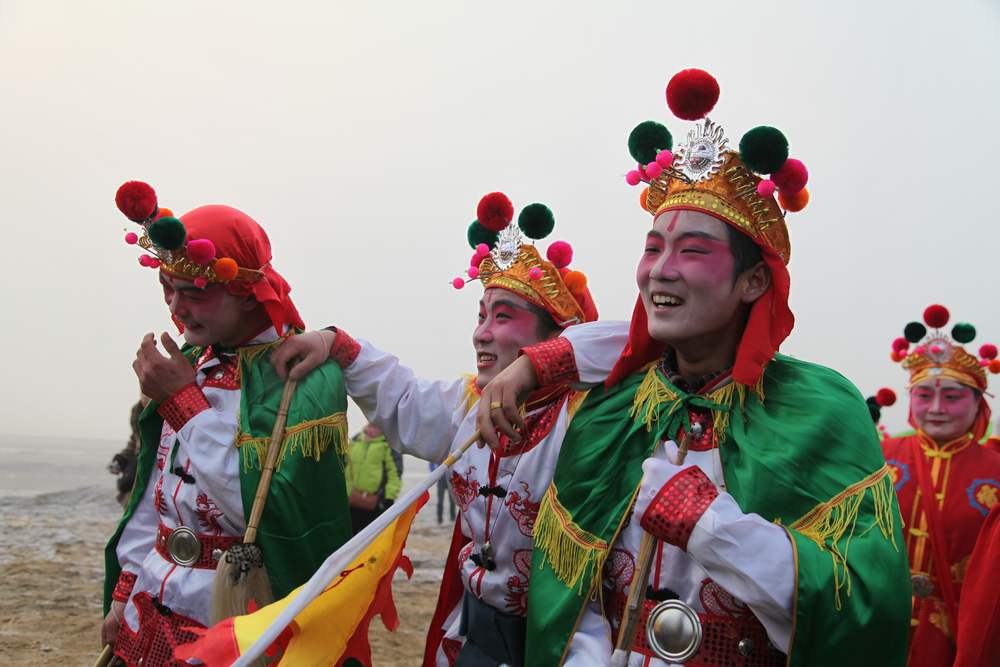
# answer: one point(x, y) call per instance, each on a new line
point(496, 405)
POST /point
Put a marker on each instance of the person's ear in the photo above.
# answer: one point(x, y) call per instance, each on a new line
point(754, 282)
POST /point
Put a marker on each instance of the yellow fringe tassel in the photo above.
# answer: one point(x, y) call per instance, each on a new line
point(653, 393)
point(312, 438)
point(568, 549)
point(828, 523)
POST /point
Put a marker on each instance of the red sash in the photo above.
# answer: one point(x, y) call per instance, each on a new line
point(942, 566)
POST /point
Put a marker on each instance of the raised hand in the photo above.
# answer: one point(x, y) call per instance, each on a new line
point(498, 404)
point(300, 354)
point(160, 377)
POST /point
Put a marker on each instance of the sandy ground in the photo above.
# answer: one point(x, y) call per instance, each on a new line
point(51, 565)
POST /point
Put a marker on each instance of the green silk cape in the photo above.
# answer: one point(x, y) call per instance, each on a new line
point(799, 449)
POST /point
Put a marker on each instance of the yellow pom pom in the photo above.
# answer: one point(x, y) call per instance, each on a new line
point(794, 203)
point(225, 269)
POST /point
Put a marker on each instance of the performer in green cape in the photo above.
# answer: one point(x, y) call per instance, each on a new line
point(204, 434)
point(756, 479)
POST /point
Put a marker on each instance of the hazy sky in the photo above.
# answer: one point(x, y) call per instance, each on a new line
point(362, 135)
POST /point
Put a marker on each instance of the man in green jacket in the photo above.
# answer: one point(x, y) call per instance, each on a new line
point(373, 482)
point(754, 481)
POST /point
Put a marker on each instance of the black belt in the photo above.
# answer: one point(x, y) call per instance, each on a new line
point(492, 637)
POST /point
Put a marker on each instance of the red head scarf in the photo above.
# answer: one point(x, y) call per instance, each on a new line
point(237, 235)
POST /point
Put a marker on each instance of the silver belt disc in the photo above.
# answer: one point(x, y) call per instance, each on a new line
point(674, 631)
point(184, 546)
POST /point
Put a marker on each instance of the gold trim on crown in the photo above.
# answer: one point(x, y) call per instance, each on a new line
point(176, 263)
point(951, 363)
point(548, 292)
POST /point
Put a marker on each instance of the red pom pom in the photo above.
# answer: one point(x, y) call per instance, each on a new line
point(164, 212)
point(885, 397)
point(994, 366)
point(692, 94)
point(665, 159)
point(795, 202)
point(144, 260)
point(792, 176)
point(136, 200)
point(154, 263)
point(765, 188)
point(201, 282)
point(653, 169)
point(560, 254)
point(575, 281)
point(988, 351)
point(633, 177)
point(200, 251)
point(131, 238)
point(897, 356)
point(936, 316)
point(473, 272)
point(458, 283)
point(534, 273)
point(495, 211)
point(900, 344)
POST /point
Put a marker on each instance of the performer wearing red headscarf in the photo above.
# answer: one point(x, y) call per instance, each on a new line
point(204, 435)
point(947, 484)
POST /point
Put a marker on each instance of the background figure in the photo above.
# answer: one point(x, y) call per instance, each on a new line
point(442, 491)
point(122, 464)
point(373, 481)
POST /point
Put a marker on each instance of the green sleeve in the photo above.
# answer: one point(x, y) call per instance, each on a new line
point(392, 481)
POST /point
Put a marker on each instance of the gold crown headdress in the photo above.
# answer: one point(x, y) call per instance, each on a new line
point(704, 175)
point(938, 355)
point(165, 240)
point(505, 256)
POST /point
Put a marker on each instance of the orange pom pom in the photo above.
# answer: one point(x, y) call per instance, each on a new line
point(896, 356)
point(794, 203)
point(225, 269)
point(165, 213)
point(575, 281)
point(994, 366)
point(642, 198)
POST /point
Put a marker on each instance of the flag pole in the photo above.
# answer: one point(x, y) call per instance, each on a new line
point(341, 559)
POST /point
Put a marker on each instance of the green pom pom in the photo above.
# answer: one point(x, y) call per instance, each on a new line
point(764, 149)
point(648, 139)
point(167, 233)
point(874, 410)
point(963, 332)
point(478, 234)
point(536, 221)
point(914, 331)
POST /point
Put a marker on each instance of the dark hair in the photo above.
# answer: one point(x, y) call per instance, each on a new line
point(746, 253)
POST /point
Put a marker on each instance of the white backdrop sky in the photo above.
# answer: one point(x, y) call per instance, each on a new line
point(361, 135)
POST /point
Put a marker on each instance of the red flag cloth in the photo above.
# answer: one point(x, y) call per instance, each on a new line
point(770, 322)
point(979, 610)
point(237, 235)
point(449, 595)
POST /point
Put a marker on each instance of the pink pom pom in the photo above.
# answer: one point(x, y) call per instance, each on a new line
point(560, 254)
point(664, 159)
point(534, 273)
point(633, 177)
point(144, 260)
point(154, 263)
point(935, 349)
point(921, 349)
point(900, 344)
point(200, 251)
point(458, 283)
point(984, 363)
point(131, 238)
point(642, 173)
point(473, 272)
point(653, 169)
point(791, 177)
point(201, 282)
point(765, 188)
point(482, 250)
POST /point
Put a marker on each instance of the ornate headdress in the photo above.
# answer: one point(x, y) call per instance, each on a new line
point(705, 175)
point(168, 246)
point(506, 257)
point(210, 244)
point(938, 355)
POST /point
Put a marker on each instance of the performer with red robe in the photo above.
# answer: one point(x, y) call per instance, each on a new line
point(946, 481)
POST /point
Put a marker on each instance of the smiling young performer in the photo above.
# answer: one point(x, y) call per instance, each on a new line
point(479, 618)
point(946, 482)
point(204, 434)
point(773, 529)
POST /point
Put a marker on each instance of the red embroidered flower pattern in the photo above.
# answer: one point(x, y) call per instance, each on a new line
point(208, 514)
point(553, 362)
point(182, 406)
point(678, 506)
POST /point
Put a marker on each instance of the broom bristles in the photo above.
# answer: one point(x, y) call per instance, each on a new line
point(232, 592)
